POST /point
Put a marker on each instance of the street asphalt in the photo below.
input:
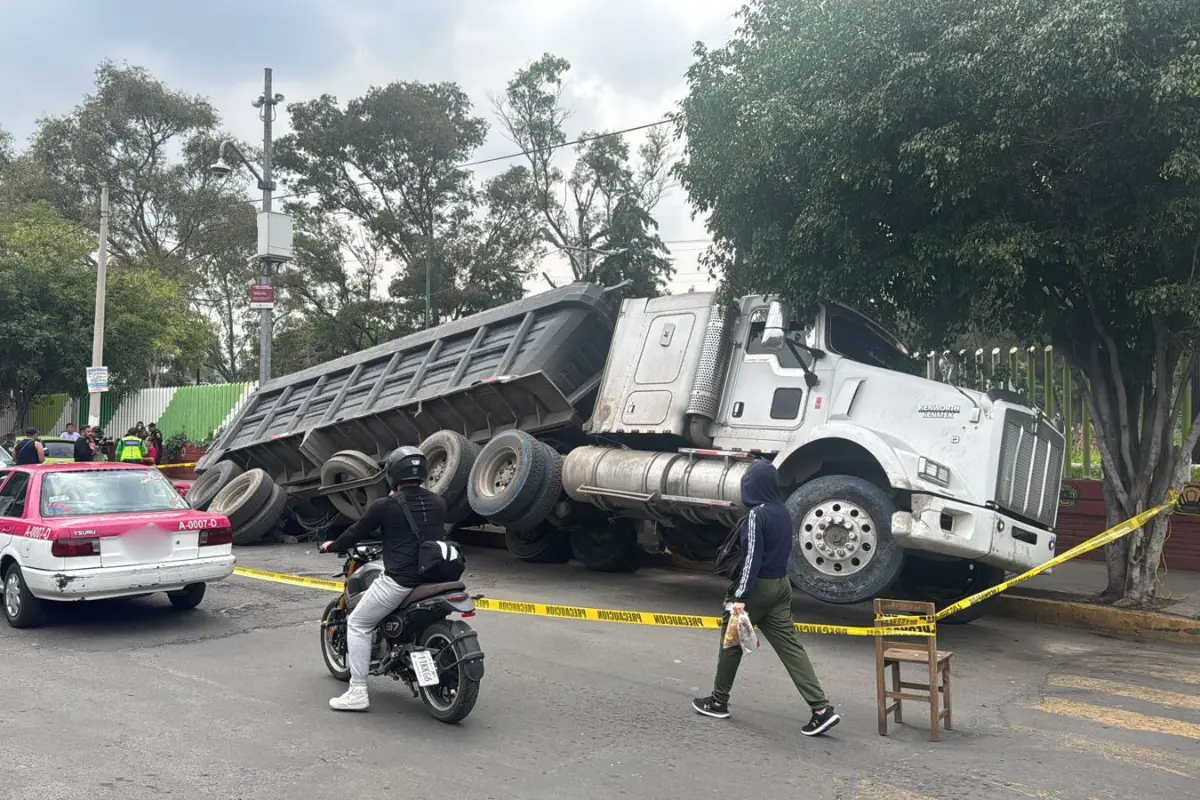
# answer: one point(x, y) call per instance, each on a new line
point(135, 700)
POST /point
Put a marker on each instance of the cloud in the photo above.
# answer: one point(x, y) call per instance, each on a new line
point(628, 58)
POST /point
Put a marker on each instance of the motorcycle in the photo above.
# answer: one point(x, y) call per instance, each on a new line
point(437, 657)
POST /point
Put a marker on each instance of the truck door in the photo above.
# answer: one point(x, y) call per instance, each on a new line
point(766, 390)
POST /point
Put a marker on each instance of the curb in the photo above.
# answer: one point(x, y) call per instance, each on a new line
point(1144, 625)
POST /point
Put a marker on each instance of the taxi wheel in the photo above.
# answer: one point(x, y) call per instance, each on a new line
point(21, 608)
point(188, 597)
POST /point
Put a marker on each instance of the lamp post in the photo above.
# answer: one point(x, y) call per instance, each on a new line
point(274, 229)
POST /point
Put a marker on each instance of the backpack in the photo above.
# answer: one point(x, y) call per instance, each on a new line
point(437, 561)
point(728, 562)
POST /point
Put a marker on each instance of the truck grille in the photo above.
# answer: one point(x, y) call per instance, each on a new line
point(1031, 467)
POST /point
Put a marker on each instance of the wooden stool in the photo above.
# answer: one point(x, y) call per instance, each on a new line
point(922, 650)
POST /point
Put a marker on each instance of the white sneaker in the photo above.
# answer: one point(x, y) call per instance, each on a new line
point(355, 699)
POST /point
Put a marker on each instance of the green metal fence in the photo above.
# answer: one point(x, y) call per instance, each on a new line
point(1046, 381)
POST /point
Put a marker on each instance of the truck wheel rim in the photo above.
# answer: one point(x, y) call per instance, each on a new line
point(498, 474)
point(12, 595)
point(438, 464)
point(838, 538)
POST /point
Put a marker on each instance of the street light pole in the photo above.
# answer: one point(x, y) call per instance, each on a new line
point(266, 111)
point(101, 292)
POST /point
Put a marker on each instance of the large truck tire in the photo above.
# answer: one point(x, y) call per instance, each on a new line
point(351, 465)
point(267, 518)
point(243, 498)
point(843, 549)
point(611, 547)
point(546, 498)
point(507, 476)
point(545, 544)
point(206, 487)
point(944, 582)
point(450, 456)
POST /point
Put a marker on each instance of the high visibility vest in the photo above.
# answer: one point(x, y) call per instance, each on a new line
point(130, 449)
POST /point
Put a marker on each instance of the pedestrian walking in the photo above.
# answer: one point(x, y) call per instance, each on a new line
point(762, 589)
point(131, 449)
point(29, 450)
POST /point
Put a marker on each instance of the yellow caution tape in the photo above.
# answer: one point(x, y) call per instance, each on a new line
point(176, 466)
point(909, 626)
point(1099, 540)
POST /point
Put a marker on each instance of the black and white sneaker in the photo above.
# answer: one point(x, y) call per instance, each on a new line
point(711, 708)
point(821, 721)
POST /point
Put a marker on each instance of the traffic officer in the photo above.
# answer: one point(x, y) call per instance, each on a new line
point(131, 449)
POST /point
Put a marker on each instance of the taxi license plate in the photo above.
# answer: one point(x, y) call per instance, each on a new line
point(422, 663)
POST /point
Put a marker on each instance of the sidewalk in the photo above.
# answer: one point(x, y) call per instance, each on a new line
point(1068, 595)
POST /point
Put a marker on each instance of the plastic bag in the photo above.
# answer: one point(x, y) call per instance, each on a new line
point(740, 633)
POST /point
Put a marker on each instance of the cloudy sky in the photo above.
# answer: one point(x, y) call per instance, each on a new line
point(628, 59)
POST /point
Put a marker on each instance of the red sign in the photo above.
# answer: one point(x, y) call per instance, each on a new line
point(262, 295)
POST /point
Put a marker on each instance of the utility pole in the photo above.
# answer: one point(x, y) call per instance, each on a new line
point(101, 292)
point(266, 111)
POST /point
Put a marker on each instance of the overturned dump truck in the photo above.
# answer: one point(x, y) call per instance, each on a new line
point(590, 427)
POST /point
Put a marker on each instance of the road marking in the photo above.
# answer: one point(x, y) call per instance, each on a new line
point(1117, 718)
point(1156, 670)
point(1141, 757)
point(1119, 689)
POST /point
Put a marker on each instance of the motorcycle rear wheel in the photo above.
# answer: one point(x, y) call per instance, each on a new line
point(452, 699)
point(333, 642)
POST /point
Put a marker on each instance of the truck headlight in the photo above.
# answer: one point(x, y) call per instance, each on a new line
point(933, 472)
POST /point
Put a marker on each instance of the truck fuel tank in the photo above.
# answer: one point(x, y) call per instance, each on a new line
point(701, 486)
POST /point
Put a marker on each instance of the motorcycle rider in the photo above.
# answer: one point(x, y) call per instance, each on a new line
point(406, 468)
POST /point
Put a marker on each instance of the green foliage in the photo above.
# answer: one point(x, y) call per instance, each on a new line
point(391, 161)
point(46, 323)
point(605, 227)
point(1019, 165)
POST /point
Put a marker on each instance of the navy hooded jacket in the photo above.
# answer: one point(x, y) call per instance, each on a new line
point(767, 534)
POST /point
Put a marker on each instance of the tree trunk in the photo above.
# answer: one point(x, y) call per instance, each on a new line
point(1115, 554)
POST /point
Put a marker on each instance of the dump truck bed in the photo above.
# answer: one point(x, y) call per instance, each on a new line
point(534, 364)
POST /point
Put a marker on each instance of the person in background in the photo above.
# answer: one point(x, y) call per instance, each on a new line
point(29, 450)
point(151, 452)
point(69, 434)
point(762, 589)
point(9, 443)
point(156, 439)
point(132, 448)
point(141, 430)
point(85, 446)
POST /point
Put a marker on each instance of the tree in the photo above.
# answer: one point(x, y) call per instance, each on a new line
point(1029, 165)
point(608, 204)
point(152, 145)
point(392, 161)
point(46, 327)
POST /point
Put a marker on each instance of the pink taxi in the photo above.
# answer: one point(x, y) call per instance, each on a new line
point(95, 531)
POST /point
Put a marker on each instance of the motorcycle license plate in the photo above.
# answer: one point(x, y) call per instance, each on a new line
point(422, 663)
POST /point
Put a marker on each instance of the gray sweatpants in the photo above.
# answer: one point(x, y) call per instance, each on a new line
point(382, 598)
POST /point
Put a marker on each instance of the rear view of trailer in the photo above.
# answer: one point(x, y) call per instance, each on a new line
point(533, 365)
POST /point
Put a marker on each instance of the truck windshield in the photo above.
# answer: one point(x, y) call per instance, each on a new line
point(125, 491)
point(856, 338)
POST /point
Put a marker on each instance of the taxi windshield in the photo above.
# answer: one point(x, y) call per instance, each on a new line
point(117, 491)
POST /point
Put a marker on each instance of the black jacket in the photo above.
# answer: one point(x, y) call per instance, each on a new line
point(400, 542)
point(83, 450)
point(767, 534)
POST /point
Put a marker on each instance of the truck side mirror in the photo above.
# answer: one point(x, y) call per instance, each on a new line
point(775, 331)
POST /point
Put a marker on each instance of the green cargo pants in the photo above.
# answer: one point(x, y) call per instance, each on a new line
point(770, 608)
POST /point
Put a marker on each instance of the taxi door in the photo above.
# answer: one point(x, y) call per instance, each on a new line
point(12, 508)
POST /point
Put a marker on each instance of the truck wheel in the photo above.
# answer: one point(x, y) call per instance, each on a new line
point(607, 548)
point(945, 582)
point(266, 518)
point(507, 476)
point(450, 456)
point(843, 550)
point(545, 544)
point(206, 487)
point(243, 497)
point(546, 498)
point(352, 465)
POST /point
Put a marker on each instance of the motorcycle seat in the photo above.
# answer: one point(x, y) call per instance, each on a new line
point(428, 590)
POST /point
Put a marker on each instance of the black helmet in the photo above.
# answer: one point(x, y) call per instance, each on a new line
point(405, 465)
